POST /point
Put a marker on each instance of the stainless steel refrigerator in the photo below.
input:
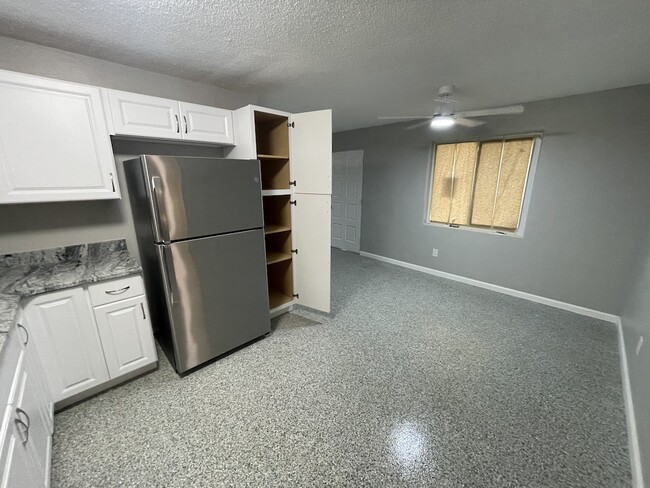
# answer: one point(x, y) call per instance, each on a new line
point(199, 225)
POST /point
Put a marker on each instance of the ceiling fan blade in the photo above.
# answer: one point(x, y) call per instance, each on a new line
point(510, 110)
point(413, 117)
point(467, 122)
point(419, 124)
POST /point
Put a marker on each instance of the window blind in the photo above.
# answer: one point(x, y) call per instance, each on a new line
point(480, 184)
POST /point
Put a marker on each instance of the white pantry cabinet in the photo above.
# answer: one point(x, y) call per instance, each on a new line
point(133, 114)
point(295, 153)
point(91, 339)
point(54, 142)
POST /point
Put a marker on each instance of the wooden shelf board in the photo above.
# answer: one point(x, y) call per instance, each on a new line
point(276, 192)
point(273, 228)
point(276, 257)
point(272, 156)
point(277, 298)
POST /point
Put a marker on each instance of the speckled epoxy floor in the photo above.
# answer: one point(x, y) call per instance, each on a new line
point(413, 381)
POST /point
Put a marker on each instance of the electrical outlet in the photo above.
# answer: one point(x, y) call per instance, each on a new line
point(639, 345)
point(434, 253)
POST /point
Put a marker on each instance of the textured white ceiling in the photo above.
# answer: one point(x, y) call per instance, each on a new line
point(362, 58)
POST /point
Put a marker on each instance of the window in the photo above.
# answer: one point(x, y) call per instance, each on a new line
point(481, 184)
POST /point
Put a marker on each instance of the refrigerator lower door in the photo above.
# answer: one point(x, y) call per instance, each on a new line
point(216, 295)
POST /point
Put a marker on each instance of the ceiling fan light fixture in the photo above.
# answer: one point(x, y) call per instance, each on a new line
point(442, 121)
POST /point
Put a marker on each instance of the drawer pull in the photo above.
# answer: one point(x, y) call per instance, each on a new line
point(26, 333)
point(18, 420)
point(117, 292)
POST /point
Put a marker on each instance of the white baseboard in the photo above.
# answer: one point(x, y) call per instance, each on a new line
point(633, 439)
point(635, 455)
point(597, 314)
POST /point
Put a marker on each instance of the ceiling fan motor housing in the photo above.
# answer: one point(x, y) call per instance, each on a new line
point(445, 91)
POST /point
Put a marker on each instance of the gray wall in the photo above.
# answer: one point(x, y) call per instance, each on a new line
point(588, 211)
point(636, 324)
point(38, 226)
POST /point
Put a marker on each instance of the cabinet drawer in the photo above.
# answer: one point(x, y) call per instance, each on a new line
point(114, 290)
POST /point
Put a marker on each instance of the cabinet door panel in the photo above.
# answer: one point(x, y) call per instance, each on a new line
point(310, 143)
point(67, 341)
point(30, 401)
point(54, 143)
point(141, 115)
point(17, 466)
point(126, 335)
point(311, 231)
point(206, 124)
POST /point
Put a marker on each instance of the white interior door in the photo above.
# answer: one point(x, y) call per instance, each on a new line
point(311, 236)
point(347, 179)
point(310, 142)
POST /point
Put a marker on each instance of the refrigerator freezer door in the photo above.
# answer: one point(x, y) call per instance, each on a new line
point(197, 197)
point(216, 294)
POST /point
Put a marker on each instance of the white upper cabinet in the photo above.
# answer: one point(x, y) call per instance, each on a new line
point(133, 114)
point(310, 140)
point(54, 142)
point(141, 115)
point(206, 124)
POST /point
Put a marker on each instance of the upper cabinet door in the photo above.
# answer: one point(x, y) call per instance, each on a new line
point(310, 140)
point(206, 124)
point(311, 231)
point(54, 143)
point(141, 115)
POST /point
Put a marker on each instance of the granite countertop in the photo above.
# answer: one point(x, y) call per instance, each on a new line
point(31, 273)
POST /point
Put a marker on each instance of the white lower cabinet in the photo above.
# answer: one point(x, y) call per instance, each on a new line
point(126, 335)
point(87, 339)
point(62, 326)
point(26, 435)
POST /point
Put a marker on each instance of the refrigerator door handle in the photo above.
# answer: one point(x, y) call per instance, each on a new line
point(161, 228)
point(167, 282)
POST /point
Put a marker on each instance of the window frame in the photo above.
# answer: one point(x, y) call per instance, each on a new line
point(530, 177)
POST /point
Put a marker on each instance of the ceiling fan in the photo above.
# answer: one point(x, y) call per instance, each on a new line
point(445, 115)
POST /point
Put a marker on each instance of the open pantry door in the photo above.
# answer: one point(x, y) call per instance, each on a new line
point(310, 140)
point(311, 232)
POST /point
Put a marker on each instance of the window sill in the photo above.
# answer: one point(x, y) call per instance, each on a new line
point(500, 233)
